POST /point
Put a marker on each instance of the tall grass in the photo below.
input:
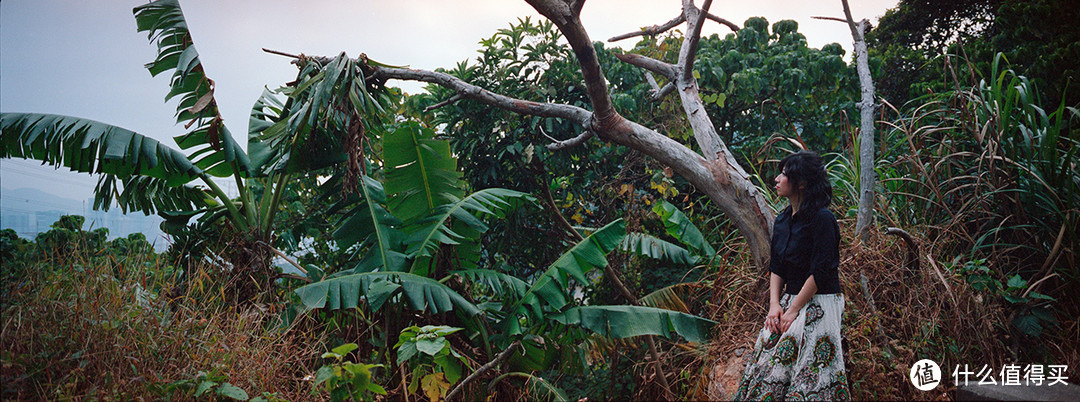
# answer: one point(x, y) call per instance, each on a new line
point(91, 326)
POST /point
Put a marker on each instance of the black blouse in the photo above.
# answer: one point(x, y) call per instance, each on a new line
point(803, 245)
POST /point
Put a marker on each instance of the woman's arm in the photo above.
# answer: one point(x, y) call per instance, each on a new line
point(772, 320)
point(809, 288)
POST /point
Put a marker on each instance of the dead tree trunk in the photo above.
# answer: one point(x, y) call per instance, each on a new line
point(867, 175)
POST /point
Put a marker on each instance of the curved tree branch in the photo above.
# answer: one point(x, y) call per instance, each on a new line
point(731, 25)
point(448, 101)
point(656, 66)
point(474, 92)
point(653, 30)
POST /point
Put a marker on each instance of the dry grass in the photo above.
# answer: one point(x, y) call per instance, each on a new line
point(93, 330)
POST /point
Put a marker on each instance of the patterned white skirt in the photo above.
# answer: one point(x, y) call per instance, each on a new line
point(804, 363)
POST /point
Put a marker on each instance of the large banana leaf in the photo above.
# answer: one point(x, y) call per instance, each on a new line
point(371, 226)
point(679, 226)
point(420, 293)
point(211, 145)
point(150, 195)
point(89, 146)
point(650, 246)
point(551, 288)
point(421, 173)
point(468, 213)
point(499, 283)
point(627, 321)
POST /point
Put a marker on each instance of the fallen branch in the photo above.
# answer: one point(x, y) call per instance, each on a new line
point(912, 260)
point(285, 257)
point(488, 366)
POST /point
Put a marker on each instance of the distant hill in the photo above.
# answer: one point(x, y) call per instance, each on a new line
point(34, 200)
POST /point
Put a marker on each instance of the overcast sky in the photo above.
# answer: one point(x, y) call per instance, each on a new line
point(85, 58)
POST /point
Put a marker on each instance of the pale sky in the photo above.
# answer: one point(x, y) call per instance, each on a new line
point(85, 58)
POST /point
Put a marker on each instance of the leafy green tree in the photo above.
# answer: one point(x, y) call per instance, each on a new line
point(1038, 37)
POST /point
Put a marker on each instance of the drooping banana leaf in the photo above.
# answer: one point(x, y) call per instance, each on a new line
point(628, 321)
point(149, 195)
point(551, 288)
point(210, 144)
point(650, 246)
point(499, 283)
point(89, 146)
point(420, 293)
point(329, 102)
point(670, 297)
point(372, 226)
point(679, 226)
point(421, 173)
point(468, 215)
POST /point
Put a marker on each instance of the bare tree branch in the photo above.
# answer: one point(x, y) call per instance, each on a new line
point(653, 30)
point(648, 63)
point(448, 101)
point(474, 92)
point(694, 18)
point(830, 19)
point(652, 82)
point(733, 26)
point(667, 89)
point(568, 143)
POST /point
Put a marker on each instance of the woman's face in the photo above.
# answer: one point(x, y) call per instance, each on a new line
point(783, 186)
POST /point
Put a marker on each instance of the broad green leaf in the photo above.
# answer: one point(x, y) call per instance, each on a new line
point(211, 145)
point(345, 349)
point(430, 346)
point(421, 173)
point(435, 229)
point(150, 195)
point(497, 282)
point(87, 146)
point(551, 288)
point(419, 293)
point(678, 225)
point(372, 226)
point(650, 246)
point(232, 392)
point(628, 321)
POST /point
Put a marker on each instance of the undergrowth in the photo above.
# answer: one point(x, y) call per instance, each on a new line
point(89, 326)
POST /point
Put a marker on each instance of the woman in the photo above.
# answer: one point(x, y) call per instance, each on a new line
point(797, 355)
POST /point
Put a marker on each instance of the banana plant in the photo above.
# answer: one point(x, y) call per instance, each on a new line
point(417, 230)
point(320, 123)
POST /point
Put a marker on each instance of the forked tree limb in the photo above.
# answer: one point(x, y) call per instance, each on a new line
point(695, 18)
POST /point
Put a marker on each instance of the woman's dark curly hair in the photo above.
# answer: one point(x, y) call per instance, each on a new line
point(806, 172)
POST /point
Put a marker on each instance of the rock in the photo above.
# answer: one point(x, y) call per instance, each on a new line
point(724, 377)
